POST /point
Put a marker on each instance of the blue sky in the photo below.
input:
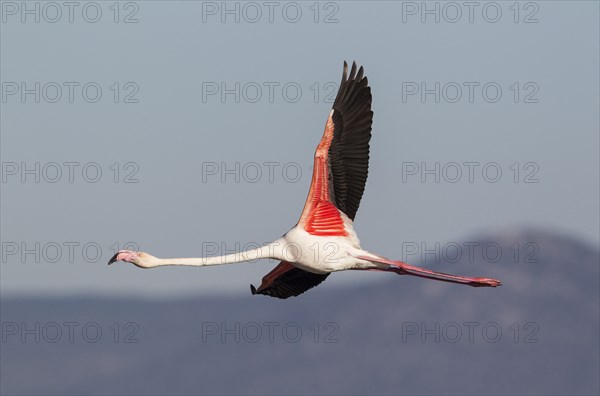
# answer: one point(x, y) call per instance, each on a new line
point(186, 167)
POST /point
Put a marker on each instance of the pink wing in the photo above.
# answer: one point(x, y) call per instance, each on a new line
point(341, 159)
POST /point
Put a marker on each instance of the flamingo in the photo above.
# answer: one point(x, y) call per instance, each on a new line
point(323, 241)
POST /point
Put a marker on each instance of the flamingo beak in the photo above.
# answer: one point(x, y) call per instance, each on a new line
point(124, 255)
point(113, 259)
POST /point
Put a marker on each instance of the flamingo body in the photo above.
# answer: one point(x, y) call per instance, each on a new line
point(323, 254)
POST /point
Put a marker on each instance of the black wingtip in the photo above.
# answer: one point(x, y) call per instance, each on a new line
point(356, 73)
point(113, 259)
point(353, 71)
point(361, 71)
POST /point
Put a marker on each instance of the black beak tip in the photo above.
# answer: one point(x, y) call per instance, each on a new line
point(113, 259)
point(253, 289)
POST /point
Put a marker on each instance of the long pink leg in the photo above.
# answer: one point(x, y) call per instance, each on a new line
point(406, 269)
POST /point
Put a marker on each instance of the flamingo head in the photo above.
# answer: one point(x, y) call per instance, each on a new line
point(139, 259)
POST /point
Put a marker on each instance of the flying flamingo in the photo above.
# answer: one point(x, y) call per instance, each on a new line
point(324, 240)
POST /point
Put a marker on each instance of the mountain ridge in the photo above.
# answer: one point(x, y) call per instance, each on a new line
point(404, 335)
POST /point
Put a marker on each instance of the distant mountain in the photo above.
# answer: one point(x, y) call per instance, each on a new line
point(537, 334)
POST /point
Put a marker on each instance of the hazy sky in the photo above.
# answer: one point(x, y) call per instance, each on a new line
point(203, 128)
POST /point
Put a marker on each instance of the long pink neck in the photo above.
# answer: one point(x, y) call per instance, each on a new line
point(273, 250)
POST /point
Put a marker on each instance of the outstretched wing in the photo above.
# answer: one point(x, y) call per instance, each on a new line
point(286, 280)
point(341, 159)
